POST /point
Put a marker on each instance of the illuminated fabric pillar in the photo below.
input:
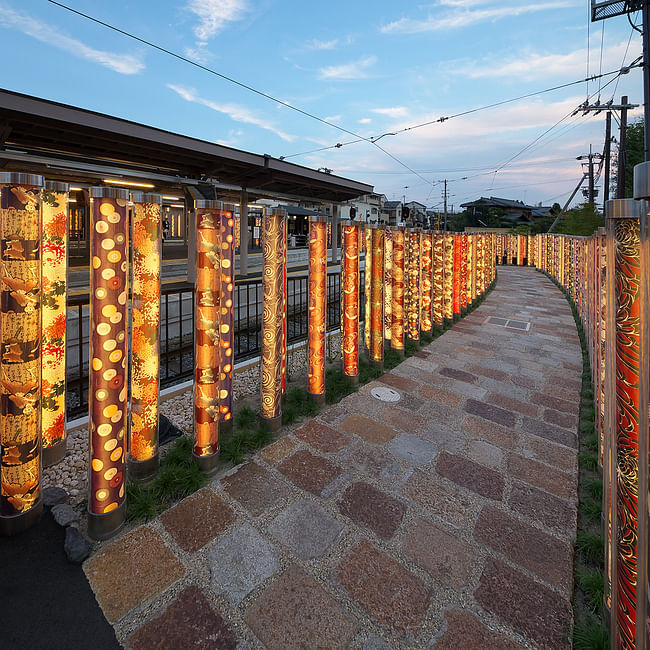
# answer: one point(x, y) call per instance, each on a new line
point(520, 250)
point(284, 307)
point(207, 335)
point(227, 316)
point(470, 262)
point(273, 243)
point(473, 294)
point(397, 307)
point(458, 253)
point(377, 295)
point(500, 248)
point(54, 258)
point(438, 279)
point(413, 272)
point(479, 264)
point(426, 262)
point(108, 381)
point(602, 340)
point(624, 245)
point(367, 282)
point(463, 273)
point(20, 324)
point(145, 334)
point(449, 278)
point(350, 302)
point(388, 282)
point(317, 307)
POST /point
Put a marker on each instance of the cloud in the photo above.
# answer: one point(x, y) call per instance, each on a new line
point(233, 111)
point(353, 70)
point(365, 120)
point(46, 33)
point(214, 15)
point(333, 118)
point(463, 16)
point(394, 112)
point(317, 44)
point(532, 65)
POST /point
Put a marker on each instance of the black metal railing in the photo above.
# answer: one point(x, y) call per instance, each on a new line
point(177, 329)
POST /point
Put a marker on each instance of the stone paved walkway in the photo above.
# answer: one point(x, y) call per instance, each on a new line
point(445, 520)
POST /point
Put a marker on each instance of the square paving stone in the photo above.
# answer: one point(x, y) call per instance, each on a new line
point(471, 475)
point(123, 576)
point(490, 431)
point(490, 412)
point(436, 394)
point(551, 511)
point(485, 453)
point(390, 594)
point(565, 420)
point(370, 507)
point(374, 462)
point(443, 436)
point(311, 473)
point(531, 548)
point(403, 419)
point(255, 488)
point(532, 609)
point(465, 631)
point(542, 476)
point(550, 432)
point(428, 490)
point(197, 519)
point(278, 450)
point(189, 622)
point(396, 381)
point(555, 403)
point(412, 449)
point(296, 612)
point(512, 404)
point(306, 528)
point(459, 375)
point(321, 437)
point(548, 452)
point(446, 557)
point(240, 562)
point(368, 429)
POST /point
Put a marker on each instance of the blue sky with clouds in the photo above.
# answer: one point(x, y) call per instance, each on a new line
point(370, 67)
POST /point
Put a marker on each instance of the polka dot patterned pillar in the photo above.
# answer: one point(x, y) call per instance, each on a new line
point(107, 391)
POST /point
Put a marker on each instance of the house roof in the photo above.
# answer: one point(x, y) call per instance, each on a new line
point(508, 204)
point(40, 135)
point(392, 204)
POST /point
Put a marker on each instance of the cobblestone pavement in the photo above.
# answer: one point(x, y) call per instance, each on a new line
point(445, 520)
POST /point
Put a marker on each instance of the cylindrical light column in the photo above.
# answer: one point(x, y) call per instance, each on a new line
point(463, 273)
point(426, 265)
point(624, 233)
point(367, 234)
point(20, 325)
point(273, 243)
point(350, 301)
point(413, 274)
point(388, 284)
point(54, 257)
point(438, 279)
point(107, 389)
point(227, 316)
point(377, 296)
point(397, 307)
point(458, 253)
point(145, 334)
point(449, 278)
point(317, 308)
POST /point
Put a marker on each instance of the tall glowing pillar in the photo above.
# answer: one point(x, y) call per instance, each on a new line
point(413, 284)
point(273, 243)
point(317, 307)
point(20, 325)
point(458, 253)
point(426, 265)
point(227, 316)
point(463, 273)
point(108, 382)
point(54, 260)
point(377, 296)
point(397, 307)
point(145, 334)
point(367, 234)
point(350, 301)
point(438, 279)
point(449, 278)
point(388, 284)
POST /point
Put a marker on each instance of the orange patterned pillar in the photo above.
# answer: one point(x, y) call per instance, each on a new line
point(207, 335)
point(463, 273)
point(227, 316)
point(54, 261)
point(449, 278)
point(107, 390)
point(413, 284)
point(426, 265)
point(367, 234)
point(438, 279)
point(458, 253)
point(350, 301)
point(273, 243)
point(20, 324)
point(284, 307)
point(142, 460)
point(388, 283)
point(317, 307)
point(377, 296)
point(397, 307)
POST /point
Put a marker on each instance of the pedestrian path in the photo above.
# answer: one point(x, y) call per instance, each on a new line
point(444, 520)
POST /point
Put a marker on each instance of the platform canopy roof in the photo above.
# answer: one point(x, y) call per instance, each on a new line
point(67, 142)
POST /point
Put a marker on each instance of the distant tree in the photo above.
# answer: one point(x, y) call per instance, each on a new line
point(556, 209)
point(581, 220)
point(634, 154)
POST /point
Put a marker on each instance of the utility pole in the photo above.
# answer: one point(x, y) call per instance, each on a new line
point(622, 152)
point(445, 199)
point(607, 154)
point(590, 172)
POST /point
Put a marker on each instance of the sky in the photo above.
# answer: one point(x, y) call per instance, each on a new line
point(368, 67)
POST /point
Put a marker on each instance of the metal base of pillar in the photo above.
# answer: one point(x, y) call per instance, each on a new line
point(101, 527)
point(15, 524)
point(399, 351)
point(142, 470)
point(274, 424)
point(318, 398)
point(225, 427)
point(208, 464)
point(354, 380)
point(54, 454)
point(378, 364)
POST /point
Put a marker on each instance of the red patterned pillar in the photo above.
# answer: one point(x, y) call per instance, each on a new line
point(397, 307)
point(458, 254)
point(317, 307)
point(350, 301)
